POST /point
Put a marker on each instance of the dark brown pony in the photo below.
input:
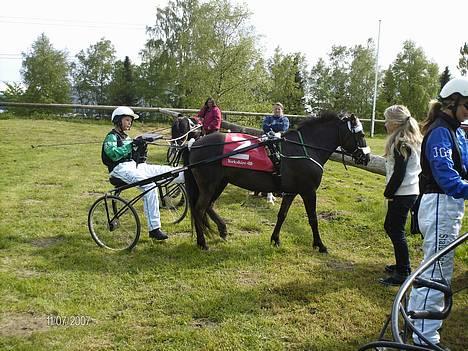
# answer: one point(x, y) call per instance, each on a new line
point(303, 153)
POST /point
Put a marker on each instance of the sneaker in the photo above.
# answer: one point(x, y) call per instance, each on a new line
point(396, 279)
point(158, 234)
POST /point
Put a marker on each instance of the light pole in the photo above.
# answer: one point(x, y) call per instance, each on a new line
point(375, 83)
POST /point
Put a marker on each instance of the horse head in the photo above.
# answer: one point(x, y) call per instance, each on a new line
point(353, 141)
point(185, 128)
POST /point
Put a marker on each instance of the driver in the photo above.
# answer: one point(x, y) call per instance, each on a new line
point(444, 161)
point(116, 154)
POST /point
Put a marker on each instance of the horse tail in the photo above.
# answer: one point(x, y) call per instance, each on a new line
point(200, 222)
point(190, 184)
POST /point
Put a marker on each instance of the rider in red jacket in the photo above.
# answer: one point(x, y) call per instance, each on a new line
point(210, 114)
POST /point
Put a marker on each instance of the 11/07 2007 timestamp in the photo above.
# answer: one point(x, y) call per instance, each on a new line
point(55, 320)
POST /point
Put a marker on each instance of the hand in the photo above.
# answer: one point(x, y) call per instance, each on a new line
point(139, 141)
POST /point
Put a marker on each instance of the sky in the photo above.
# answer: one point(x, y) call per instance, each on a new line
point(307, 26)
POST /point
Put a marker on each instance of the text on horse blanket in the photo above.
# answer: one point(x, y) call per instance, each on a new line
point(255, 159)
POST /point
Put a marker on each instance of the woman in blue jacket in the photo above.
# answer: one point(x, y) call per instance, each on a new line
point(444, 161)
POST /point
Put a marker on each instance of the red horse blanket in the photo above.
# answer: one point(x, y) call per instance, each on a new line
point(255, 159)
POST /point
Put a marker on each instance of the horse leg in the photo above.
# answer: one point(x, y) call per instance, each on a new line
point(283, 212)
point(310, 203)
point(222, 229)
point(220, 223)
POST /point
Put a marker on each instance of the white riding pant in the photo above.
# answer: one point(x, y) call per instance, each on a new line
point(129, 172)
point(440, 217)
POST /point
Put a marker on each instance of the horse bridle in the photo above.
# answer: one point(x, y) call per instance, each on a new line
point(359, 155)
point(193, 127)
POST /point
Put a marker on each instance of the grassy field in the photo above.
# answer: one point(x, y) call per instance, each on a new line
point(242, 294)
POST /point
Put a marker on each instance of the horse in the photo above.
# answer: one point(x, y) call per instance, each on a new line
point(303, 153)
point(183, 129)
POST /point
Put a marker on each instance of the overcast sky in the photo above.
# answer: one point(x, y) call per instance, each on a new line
point(307, 26)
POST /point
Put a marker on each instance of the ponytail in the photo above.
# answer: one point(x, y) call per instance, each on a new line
point(434, 108)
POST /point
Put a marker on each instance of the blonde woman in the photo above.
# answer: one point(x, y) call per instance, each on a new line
point(402, 152)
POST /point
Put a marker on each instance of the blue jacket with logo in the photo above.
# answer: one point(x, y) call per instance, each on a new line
point(439, 168)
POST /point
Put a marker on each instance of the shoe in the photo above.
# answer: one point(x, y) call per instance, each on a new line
point(392, 268)
point(396, 279)
point(158, 234)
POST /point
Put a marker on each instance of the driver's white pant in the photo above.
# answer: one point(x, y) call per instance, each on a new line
point(440, 217)
point(129, 172)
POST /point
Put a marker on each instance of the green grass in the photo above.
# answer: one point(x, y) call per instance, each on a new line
point(242, 294)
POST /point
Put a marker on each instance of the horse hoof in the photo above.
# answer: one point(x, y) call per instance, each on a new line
point(204, 247)
point(275, 243)
point(321, 248)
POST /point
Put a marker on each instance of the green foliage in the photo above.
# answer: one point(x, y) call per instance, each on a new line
point(198, 50)
point(362, 79)
point(411, 80)
point(92, 73)
point(243, 294)
point(45, 73)
point(346, 83)
point(122, 89)
point(444, 77)
point(463, 60)
point(320, 87)
point(288, 74)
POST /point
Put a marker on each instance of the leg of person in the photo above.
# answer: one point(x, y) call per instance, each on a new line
point(131, 173)
point(394, 225)
point(440, 218)
point(270, 198)
point(151, 207)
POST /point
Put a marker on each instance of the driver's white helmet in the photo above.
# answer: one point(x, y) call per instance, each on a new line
point(123, 111)
point(455, 86)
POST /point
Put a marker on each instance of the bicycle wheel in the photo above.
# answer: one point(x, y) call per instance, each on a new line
point(173, 203)
point(113, 223)
point(171, 154)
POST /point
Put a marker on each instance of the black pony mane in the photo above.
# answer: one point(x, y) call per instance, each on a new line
point(325, 116)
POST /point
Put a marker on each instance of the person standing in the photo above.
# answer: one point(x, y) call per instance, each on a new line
point(275, 123)
point(116, 154)
point(444, 161)
point(210, 115)
point(402, 152)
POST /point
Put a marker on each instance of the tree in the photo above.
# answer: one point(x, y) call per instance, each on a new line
point(122, 89)
point(362, 80)
point(444, 77)
point(198, 50)
point(287, 75)
point(463, 60)
point(45, 73)
point(412, 79)
point(92, 73)
point(320, 87)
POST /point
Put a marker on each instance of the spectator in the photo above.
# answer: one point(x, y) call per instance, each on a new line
point(210, 115)
point(402, 152)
